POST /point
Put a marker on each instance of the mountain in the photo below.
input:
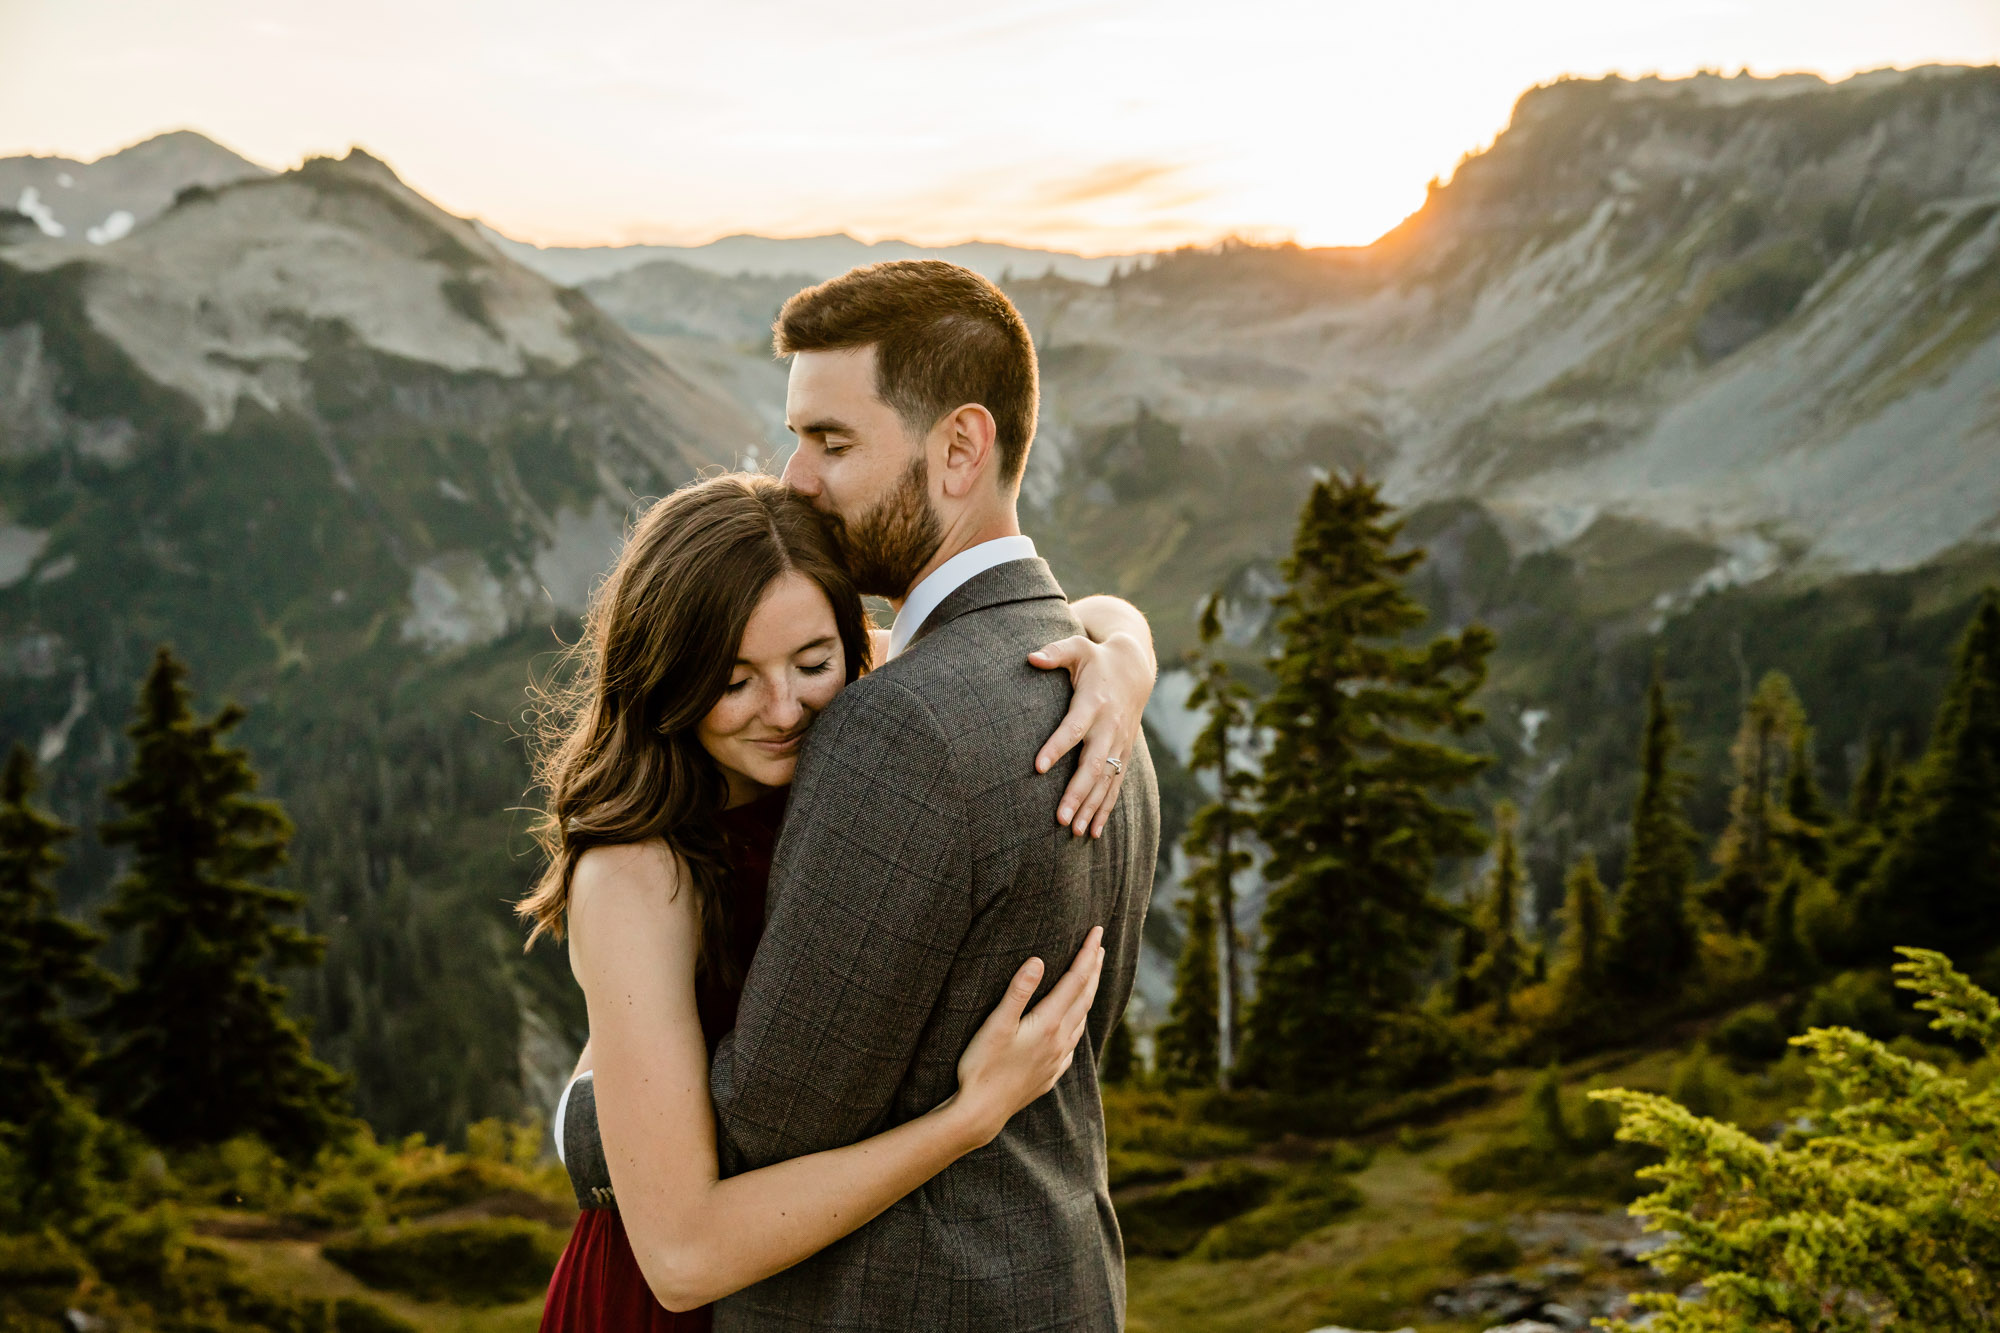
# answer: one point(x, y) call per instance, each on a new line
point(103, 200)
point(1673, 362)
point(817, 258)
point(355, 464)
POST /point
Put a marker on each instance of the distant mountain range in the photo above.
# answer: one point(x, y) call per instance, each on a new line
point(1668, 353)
point(811, 258)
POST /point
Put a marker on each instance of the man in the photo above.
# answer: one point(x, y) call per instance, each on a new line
point(923, 855)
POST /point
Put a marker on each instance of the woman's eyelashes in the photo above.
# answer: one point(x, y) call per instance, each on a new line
point(815, 669)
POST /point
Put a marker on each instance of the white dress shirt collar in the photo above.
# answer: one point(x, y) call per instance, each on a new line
point(947, 579)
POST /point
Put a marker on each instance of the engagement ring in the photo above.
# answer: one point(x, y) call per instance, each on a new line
point(1116, 766)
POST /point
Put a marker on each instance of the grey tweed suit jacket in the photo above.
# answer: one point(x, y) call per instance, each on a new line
point(919, 866)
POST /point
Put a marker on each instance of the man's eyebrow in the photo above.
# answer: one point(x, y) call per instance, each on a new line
point(824, 426)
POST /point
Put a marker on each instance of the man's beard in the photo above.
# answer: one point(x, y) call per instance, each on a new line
point(886, 547)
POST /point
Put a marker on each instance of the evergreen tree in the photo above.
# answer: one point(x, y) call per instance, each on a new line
point(1116, 1071)
point(197, 1045)
point(45, 959)
point(1807, 821)
point(1581, 979)
point(1500, 968)
point(1465, 968)
point(1864, 801)
point(1548, 1128)
point(1771, 720)
point(1787, 958)
point(1217, 835)
point(1185, 1050)
point(1652, 946)
point(1348, 805)
point(1937, 883)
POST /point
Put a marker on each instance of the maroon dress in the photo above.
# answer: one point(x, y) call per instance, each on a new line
point(597, 1286)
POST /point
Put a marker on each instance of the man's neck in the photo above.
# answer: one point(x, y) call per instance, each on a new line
point(969, 532)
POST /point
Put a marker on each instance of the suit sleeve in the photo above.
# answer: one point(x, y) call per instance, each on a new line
point(871, 897)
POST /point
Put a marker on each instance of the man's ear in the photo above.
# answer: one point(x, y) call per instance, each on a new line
point(969, 452)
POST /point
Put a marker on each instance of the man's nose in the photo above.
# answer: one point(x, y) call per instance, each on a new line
point(798, 473)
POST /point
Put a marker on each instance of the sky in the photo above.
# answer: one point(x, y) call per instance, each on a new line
point(1099, 126)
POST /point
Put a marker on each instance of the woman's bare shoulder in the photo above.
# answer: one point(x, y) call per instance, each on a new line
point(631, 874)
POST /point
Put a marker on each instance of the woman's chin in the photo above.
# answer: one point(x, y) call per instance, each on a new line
point(776, 772)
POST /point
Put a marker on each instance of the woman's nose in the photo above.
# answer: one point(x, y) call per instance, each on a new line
point(785, 711)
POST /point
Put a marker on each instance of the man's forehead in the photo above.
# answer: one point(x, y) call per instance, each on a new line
point(821, 381)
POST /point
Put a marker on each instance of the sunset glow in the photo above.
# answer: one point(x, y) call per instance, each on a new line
point(1098, 127)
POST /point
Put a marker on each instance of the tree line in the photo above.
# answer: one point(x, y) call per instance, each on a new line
point(1347, 782)
point(188, 1042)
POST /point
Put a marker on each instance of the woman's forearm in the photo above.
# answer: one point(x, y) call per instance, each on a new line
point(747, 1227)
point(1104, 617)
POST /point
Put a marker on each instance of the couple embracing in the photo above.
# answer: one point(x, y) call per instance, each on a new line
point(854, 913)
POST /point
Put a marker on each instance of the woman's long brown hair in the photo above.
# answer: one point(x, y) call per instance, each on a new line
point(616, 754)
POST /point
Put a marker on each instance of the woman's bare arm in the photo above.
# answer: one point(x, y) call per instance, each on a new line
point(1112, 667)
point(633, 942)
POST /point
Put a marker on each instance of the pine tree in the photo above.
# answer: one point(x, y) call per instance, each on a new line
point(1787, 958)
point(45, 959)
point(197, 1045)
point(1937, 883)
point(1581, 978)
point(1116, 1071)
point(1185, 1050)
point(1652, 946)
point(1864, 802)
point(1500, 968)
point(1465, 968)
point(1805, 827)
point(1548, 1127)
point(1348, 805)
point(1747, 851)
point(1217, 835)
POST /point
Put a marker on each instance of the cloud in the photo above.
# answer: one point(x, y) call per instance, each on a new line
point(1105, 182)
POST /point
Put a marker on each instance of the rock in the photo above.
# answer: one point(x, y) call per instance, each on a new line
point(1525, 1326)
point(1637, 1251)
point(1499, 1296)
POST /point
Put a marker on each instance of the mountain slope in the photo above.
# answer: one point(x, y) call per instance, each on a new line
point(102, 201)
point(355, 464)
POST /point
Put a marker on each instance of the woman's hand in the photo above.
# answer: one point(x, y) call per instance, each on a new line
point(1112, 681)
point(1014, 1059)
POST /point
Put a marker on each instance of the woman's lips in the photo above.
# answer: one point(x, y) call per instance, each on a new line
point(780, 745)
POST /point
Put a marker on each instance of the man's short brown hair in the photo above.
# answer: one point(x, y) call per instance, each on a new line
point(943, 337)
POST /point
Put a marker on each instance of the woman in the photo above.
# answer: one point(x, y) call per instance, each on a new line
point(727, 625)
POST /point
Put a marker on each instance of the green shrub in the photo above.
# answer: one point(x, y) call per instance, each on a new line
point(1863, 1001)
point(1167, 1223)
point(1701, 1084)
point(1142, 1168)
point(1487, 1250)
point(459, 1181)
point(1752, 1036)
point(1169, 1124)
point(474, 1263)
point(1508, 1163)
point(353, 1316)
point(1427, 1105)
point(1277, 1225)
point(1887, 1213)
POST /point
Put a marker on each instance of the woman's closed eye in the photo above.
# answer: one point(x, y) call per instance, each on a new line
point(818, 668)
